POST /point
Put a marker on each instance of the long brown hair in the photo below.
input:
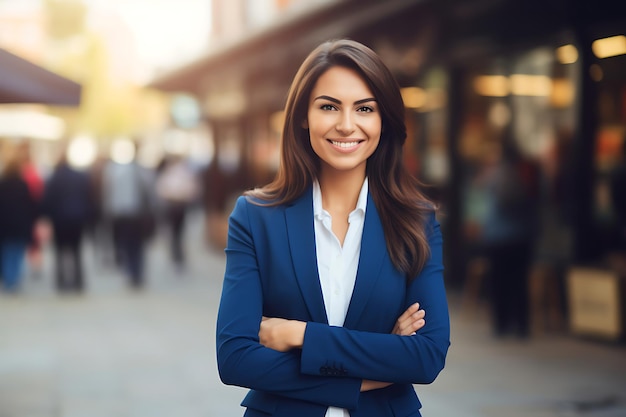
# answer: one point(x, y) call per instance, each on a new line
point(402, 207)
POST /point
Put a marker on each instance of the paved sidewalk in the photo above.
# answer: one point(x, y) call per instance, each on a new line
point(549, 375)
point(116, 352)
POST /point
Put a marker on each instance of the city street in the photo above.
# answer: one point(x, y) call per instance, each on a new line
point(118, 352)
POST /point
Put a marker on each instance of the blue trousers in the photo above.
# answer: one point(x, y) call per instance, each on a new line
point(12, 253)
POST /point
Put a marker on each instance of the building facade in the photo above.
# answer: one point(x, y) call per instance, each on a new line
point(544, 78)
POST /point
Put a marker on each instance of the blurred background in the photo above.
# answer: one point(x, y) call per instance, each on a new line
point(128, 128)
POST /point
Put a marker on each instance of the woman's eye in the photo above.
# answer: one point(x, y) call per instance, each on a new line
point(365, 109)
point(327, 107)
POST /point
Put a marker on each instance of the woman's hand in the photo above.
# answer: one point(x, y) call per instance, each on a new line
point(410, 321)
point(281, 334)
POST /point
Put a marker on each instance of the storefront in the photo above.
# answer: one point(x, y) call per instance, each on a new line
point(548, 86)
point(474, 75)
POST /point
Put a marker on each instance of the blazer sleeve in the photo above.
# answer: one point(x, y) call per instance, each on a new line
point(242, 360)
point(416, 359)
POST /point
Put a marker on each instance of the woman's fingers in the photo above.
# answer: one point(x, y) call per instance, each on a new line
point(401, 322)
point(410, 321)
point(413, 308)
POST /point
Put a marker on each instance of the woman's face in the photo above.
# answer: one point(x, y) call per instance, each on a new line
point(343, 119)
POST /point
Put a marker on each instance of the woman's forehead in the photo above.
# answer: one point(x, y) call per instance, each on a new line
point(341, 81)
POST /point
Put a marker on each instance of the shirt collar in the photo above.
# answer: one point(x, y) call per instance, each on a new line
point(319, 212)
point(361, 203)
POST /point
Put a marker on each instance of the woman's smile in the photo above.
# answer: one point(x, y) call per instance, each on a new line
point(345, 145)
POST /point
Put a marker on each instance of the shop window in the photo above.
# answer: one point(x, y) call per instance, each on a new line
point(521, 107)
point(427, 153)
point(609, 209)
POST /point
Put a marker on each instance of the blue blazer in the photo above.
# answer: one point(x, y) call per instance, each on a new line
point(271, 270)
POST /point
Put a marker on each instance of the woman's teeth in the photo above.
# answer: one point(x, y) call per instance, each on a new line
point(344, 144)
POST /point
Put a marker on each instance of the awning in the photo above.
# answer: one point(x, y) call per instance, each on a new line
point(24, 82)
point(288, 40)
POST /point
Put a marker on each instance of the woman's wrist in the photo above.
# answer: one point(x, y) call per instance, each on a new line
point(296, 333)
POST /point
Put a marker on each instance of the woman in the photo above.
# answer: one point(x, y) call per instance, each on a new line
point(18, 212)
point(176, 187)
point(331, 267)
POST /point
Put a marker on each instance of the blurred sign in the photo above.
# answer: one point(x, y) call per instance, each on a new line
point(596, 302)
point(185, 111)
point(31, 125)
point(226, 104)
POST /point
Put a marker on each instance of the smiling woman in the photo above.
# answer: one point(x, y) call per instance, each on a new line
point(333, 297)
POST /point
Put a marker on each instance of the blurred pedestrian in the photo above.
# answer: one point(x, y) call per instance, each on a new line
point(69, 206)
point(177, 187)
point(553, 244)
point(18, 212)
point(330, 267)
point(35, 183)
point(508, 235)
point(128, 202)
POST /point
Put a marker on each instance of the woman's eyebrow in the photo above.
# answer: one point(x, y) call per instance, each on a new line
point(334, 100)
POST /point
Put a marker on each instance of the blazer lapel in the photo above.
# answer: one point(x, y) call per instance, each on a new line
point(373, 251)
point(301, 236)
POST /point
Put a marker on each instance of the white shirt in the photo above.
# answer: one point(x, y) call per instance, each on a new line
point(338, 265)
point(122, 189)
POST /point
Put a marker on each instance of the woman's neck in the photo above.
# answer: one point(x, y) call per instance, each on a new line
point(340, 191)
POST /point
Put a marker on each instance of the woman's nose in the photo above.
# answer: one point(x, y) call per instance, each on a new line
point(345, 124)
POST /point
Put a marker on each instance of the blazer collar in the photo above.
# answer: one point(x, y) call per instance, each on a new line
point(301, 235)
point(301, 231)
point(373, 251)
